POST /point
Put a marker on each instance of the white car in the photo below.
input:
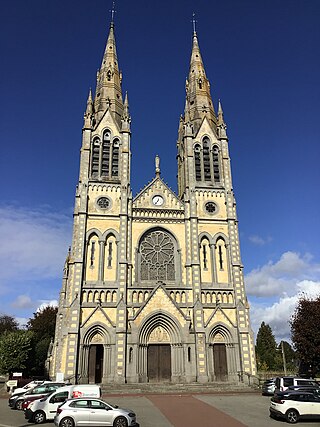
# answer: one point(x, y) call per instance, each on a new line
point(45, 409)
point(96, 412)
point(25, 388)
point(295, 405)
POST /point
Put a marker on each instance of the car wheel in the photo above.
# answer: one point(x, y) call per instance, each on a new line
point(120, 422)
point(292, 416)
point(18, 404)
point(66, 422)
point(39, 417)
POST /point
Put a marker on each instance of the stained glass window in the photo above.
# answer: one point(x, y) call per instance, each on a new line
point(157, 257)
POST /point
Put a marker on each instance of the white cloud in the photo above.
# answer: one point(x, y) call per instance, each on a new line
point(274, 290)
point(22, 301)
point(260, 241)
point(32, 253)
point(34, 243)
point(44, 304)
point(282, 276)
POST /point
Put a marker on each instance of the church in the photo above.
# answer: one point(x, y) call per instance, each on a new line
point(153, 288)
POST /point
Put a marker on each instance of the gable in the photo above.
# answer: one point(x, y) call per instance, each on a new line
point(157, 195)
point(159, 301)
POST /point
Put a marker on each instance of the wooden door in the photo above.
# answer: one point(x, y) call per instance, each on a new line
point(159, 362)
point(220, 362)
point(95, 364)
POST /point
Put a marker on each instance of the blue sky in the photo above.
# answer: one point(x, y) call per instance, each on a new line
point(262, 60)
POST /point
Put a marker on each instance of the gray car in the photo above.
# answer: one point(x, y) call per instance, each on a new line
point(93, 412)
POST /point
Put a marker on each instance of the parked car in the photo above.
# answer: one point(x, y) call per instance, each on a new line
point(42, 390)
point(44, 409)
point(295, 405)
point(29, 386)
point(283, 383)
point(86, 411)
point(268, 387)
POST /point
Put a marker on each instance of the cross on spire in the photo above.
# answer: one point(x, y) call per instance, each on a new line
point(194, 21)
point(112, 11)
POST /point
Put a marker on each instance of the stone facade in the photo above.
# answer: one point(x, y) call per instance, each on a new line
point(153, 287)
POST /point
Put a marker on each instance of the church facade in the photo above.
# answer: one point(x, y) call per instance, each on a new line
point(153, 287)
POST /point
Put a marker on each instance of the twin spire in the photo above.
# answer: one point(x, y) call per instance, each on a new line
point(109, 94)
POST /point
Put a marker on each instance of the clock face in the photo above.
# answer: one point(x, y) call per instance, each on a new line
point(157, 200)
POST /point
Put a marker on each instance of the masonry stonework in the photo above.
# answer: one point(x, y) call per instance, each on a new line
point(153, 287)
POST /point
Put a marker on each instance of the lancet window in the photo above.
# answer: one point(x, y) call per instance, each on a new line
point(105, 157)
point(216, 164)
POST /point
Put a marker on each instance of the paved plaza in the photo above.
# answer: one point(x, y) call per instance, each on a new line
point(186, 410)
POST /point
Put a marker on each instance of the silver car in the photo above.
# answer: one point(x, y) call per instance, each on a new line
point(93, 412)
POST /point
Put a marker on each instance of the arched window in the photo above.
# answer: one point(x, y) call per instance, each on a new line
point(115, 158)
point(216, 164)
point(197, 162)
point(95, 158)
point(157, 257)
point(105, 154)
point(206, 159)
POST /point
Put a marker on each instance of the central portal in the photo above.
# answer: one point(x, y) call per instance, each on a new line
point(159, 362)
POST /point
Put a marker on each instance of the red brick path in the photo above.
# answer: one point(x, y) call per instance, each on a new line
point(187, 411)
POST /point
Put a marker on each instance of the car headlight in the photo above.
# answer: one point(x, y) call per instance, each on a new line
point(131, 414)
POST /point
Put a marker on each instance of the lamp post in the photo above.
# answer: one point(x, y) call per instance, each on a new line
point(283, 359)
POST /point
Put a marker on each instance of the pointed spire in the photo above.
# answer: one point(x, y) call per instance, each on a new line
point(88, 112)
point(198, 98)
point(126, 118)
point(108, 90)
point(222, 127)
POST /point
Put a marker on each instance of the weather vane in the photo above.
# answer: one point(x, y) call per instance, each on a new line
point(194, 22)
point(113, 11)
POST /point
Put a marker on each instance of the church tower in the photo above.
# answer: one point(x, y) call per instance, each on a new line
point(153, 285)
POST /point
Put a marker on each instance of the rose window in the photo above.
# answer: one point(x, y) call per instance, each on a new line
point(157, 257)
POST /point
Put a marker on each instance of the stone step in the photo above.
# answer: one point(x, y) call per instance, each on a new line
point(167, 388)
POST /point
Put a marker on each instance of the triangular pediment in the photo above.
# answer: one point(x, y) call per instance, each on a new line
point(159, 301)
point(106, 121)
point(218, 315)
point(95, 316)
point(205, 129)
point(157, 195)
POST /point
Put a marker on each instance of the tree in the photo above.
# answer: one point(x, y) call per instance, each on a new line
point(305, 332)
point(43, 323)
point(15, 348)
point(42, 326)
point(266, 348)
point(8, 323)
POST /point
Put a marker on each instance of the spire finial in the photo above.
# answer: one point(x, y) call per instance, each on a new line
point(194, 21)
point(112, 11)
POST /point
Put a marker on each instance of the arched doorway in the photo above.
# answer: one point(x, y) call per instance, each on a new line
point(95, 363)
point(160, 357)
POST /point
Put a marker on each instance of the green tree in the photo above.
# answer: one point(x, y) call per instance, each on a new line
point(42, 325)
point(15, 348)
point(8, 323)
point(266, 348)
point(305, 331)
